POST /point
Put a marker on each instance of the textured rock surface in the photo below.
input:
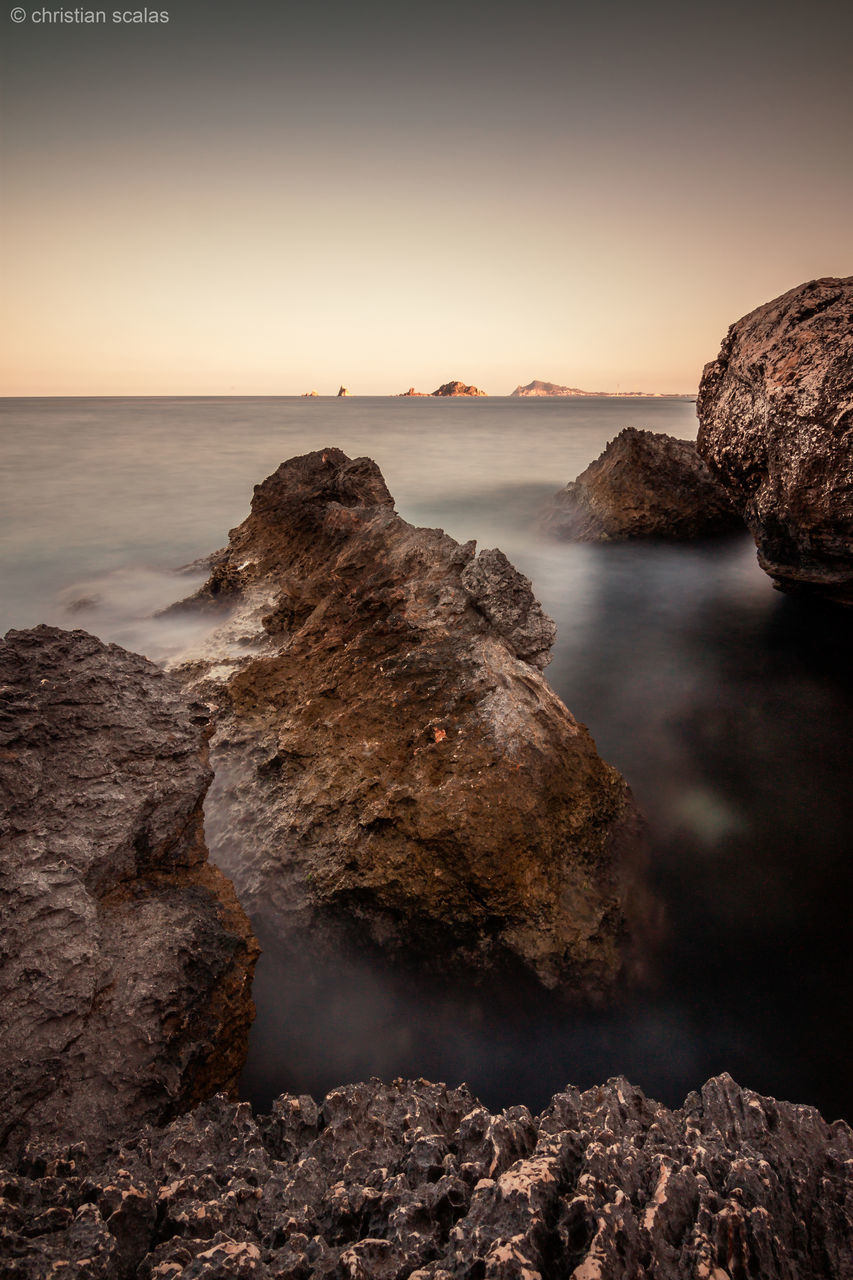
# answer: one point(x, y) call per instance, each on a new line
point(126, 967)
point(644, 485)
point(387, 752)
point(458, 389)
point(414, 1181)
point(776, 425)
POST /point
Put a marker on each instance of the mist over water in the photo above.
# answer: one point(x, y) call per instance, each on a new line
point(726, 706)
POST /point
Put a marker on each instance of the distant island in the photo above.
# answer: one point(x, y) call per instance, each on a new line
point(553, 389)
point(447, 389)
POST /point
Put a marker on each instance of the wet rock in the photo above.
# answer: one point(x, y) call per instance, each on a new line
point(644, 485)
point(458, 389)
point(776, 426)
point(127, 961)
point(417, 1180)
point(387, 753)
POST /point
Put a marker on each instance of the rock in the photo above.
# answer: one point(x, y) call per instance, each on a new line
point(387, 752)
point(644, 485)
point(537, 388)
point(776, 426)
point(411, 392)
point(417, 1180)
point(458, 389)
point(127, 961)
point(342, 391)
point(306, 395)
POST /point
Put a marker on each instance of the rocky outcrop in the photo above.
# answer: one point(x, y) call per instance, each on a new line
point(343, 391)
point(458, 389)
point(537, 388)
point(415, 1181)
point(403, 395)
point(776, 426)
point(644, 485)
point(127, 961)
point(387, 753)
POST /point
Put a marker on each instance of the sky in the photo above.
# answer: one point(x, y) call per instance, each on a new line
point(263, 197)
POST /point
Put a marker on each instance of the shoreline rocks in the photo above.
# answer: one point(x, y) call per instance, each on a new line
point(644, 485)
point(776, 427)
point(125, 986)
point(417, 1181)
point(458, 389)
point(389, 759)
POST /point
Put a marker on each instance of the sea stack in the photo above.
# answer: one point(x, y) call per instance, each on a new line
point(125, 991)
point(387, 752)
point(776, 426)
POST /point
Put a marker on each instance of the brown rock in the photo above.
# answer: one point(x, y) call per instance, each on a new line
point(458, 389)
point(644, 485)
point(776, 426)
point(417, 1180)
point(125, 986)
point(387, 752)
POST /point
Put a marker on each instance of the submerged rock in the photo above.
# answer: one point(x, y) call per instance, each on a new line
point(458, 389)
point(387, 752)
point(644, 485)
point(776, 426)
point(415, 1181)
point(125, 985)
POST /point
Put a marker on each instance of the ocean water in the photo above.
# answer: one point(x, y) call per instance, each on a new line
point(726, 705)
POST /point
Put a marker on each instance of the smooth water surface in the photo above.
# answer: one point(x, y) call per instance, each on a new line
point(726, 705)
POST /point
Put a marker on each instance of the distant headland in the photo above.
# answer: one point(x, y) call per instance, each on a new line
point(537, 388)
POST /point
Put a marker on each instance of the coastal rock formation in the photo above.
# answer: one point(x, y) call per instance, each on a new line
point(415, 1181)
point(387, 752)
point(776, 426)
point(342, 391)
point(458, 389)
point(644, 485)
point(411, 392)
point(537, 388)
point(127, 961)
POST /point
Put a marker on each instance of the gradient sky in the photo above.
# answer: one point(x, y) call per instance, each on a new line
point(267, 197)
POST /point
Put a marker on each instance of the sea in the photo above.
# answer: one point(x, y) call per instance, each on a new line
point(725, 704)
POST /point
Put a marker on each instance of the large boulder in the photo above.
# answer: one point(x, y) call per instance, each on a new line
point(776, 426)
point(415, 1181)
point(644, 485)
point(387, 752)
point(127, 961)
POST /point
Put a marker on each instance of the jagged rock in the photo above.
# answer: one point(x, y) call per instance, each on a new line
point(644, 485)
point(458, 389)
point(127, 961)
point(342, 391)
point(776, 426)
point(387, 752)
point(415, 1181)
point(411, 392)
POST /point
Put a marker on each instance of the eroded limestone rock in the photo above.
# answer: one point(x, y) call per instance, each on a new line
point(415, 1181)
point(127, 961)
point(776, 426)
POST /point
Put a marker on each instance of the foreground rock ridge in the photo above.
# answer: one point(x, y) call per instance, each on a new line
point(644, 485)
point(776, 426)
point(127, 961)
point(415, 1181)
point(387, 752)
